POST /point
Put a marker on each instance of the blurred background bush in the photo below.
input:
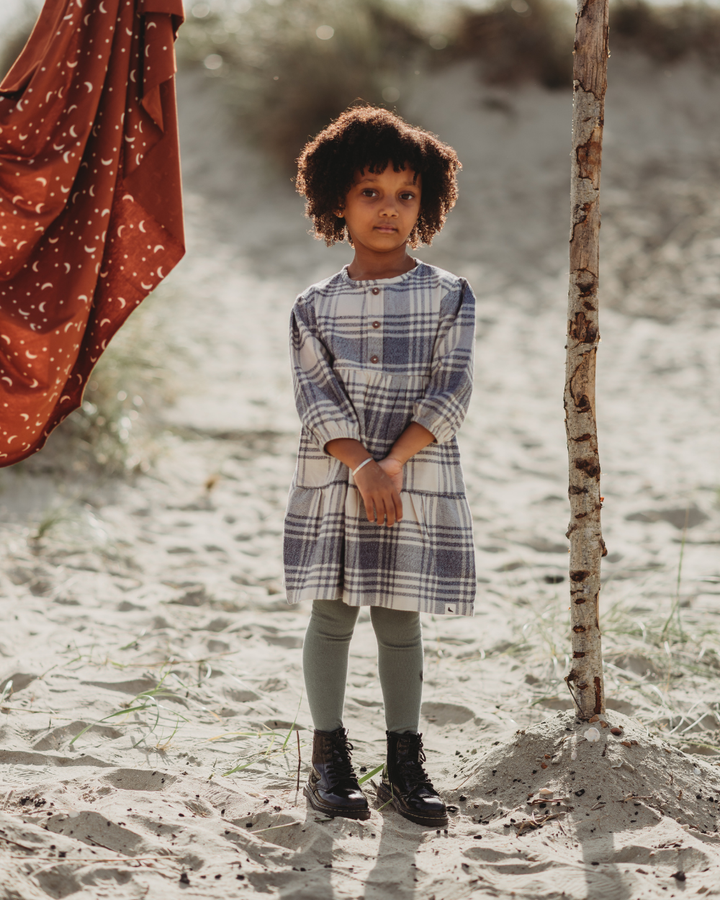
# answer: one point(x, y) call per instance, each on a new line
point(290, 66)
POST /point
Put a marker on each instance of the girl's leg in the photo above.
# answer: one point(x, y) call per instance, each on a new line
point(400, 666)
point(325, 660)
point(404, 783)
point(332, 786)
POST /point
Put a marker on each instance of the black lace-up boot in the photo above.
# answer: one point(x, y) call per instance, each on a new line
point(332, 787)
point(406, 784)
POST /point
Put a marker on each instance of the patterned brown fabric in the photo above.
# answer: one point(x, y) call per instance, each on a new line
point(90, 199)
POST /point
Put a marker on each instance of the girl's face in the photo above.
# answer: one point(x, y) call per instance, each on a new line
point(381, 208)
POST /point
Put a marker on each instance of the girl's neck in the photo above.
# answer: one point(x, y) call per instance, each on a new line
point(371, 267)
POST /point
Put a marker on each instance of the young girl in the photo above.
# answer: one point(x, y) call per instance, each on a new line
point(382, 357)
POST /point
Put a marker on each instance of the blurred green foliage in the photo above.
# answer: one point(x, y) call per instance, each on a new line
point(668, 33)
point(290, 67)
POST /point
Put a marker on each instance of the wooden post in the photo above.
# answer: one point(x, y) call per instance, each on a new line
point(585, 679)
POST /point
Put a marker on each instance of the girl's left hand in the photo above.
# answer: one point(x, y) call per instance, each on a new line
point(394, 470)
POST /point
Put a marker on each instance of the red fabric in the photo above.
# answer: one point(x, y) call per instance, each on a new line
point(90, 199)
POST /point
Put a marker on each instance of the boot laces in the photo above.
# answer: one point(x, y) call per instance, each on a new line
point(414, 773)
point(341, 769)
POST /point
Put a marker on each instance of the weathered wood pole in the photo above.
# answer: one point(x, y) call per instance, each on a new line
point(585, 679)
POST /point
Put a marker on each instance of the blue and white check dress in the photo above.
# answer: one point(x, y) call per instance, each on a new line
point(368, 358)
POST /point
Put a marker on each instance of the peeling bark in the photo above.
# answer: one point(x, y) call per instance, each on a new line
point(585, 680)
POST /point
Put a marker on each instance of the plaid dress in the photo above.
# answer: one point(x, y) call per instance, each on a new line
point(369, 358)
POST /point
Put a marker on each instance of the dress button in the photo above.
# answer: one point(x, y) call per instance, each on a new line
point(374, 359)
point(376, 291)
point(376, 324)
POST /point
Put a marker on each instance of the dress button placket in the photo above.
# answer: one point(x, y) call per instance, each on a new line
point(375, 310)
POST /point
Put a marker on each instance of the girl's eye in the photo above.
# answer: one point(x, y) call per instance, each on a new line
point(408, 195)
point(368, 192)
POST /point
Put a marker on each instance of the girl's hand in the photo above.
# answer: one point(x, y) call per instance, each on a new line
point(379, 485)
point(394, 469)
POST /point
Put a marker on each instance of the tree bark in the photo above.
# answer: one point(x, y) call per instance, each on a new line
point(585, 679)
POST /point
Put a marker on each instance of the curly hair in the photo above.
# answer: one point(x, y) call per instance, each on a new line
point(372, 138)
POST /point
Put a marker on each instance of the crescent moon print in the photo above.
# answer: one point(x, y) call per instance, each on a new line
point(68, 247)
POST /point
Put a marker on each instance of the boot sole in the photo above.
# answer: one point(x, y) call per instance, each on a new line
point(386, 796)
point(334, 811)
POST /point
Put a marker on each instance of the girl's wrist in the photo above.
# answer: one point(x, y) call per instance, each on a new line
point(362, 465)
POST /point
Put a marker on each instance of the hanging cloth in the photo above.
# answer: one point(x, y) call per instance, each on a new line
point(90, 199)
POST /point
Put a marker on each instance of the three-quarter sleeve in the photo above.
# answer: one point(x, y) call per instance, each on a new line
point(443, 406)
point(322, 404)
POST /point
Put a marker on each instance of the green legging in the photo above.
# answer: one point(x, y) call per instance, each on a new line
point(400, 663)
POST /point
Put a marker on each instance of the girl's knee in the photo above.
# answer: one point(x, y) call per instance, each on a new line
point(333, 619)
point(397, 628)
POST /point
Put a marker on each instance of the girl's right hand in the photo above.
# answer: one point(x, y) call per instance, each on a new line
point(380, 495)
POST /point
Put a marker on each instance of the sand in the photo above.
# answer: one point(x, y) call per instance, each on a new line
point(153, 721)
